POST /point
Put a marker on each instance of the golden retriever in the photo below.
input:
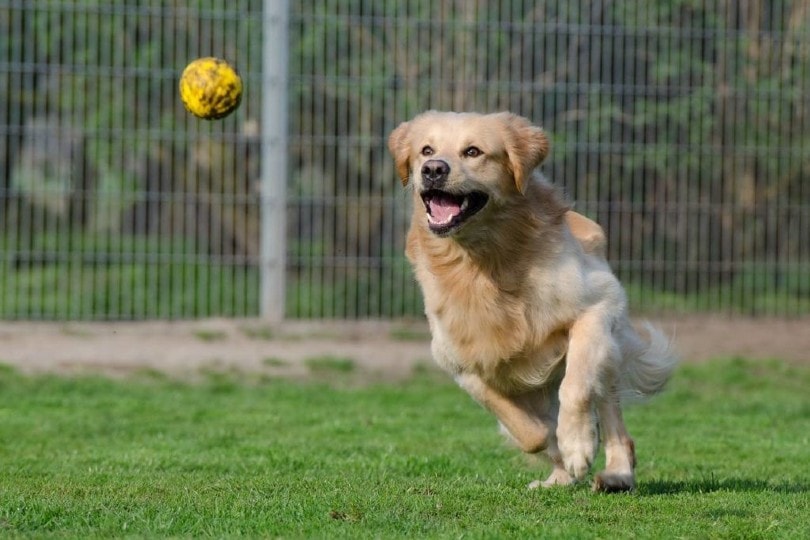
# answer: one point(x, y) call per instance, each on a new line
point(524, 311)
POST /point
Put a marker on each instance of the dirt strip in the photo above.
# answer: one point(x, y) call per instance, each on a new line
point(391, 349)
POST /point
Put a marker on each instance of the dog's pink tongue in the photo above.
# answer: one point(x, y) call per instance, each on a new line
point(444, 207)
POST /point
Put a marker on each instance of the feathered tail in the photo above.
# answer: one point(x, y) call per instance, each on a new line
point(648, 363)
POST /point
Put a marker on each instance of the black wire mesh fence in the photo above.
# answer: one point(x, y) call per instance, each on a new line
point(682, 127)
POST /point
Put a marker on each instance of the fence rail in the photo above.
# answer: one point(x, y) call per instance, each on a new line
point(682, 127)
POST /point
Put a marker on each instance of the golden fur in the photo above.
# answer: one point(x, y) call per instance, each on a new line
point(523, 308)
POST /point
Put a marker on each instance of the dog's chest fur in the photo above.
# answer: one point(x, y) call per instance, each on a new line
point(505, 323)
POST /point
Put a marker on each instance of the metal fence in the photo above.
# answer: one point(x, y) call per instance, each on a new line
point(682, 127)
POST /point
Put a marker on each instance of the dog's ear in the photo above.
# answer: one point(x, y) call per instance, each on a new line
point(527, 147)
point(400, 148)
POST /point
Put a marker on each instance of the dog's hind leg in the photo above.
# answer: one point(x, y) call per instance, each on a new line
point(620, 455)
point(528, 431)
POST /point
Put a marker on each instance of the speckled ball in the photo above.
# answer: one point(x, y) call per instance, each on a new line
point(210, 88)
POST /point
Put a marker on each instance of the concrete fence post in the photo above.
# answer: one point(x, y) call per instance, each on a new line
point(274, 131)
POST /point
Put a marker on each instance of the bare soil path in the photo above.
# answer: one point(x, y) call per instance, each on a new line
point(388, 350)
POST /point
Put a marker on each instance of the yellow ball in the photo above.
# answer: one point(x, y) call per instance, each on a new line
point(210, 88)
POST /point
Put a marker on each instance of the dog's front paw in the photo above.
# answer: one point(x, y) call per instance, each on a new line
point(576, 438)
point(578, 463)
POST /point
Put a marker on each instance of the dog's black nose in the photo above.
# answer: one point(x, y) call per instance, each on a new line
point(434, 172)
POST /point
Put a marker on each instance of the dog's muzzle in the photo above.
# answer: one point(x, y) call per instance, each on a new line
point(446, 210)
point(435, 173)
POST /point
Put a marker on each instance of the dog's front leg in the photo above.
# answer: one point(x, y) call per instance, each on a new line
point(528, 431)
point(591, 351)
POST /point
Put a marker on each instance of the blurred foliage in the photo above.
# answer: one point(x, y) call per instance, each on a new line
point(683, 127)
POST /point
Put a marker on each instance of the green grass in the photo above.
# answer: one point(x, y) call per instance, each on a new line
point(211, 335)
point(91, 276)
point(258, 332)
point(329, 364)
point(755, 290)
point(272, 361)
point(408, 333)
point(722, 454)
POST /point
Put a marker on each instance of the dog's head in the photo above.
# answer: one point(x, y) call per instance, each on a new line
point(460, 163)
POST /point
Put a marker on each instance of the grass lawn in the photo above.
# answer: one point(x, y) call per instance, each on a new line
point(724, 453)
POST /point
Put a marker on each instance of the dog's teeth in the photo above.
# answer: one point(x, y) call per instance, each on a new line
point(464, 204)
point(437, 222)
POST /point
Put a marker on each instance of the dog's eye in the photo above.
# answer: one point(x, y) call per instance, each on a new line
point(473, 151)
point(427, 151)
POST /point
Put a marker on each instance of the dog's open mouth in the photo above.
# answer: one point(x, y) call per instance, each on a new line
point(448, 211)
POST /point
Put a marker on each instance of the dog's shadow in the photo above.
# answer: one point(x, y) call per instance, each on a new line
point(712, 484)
